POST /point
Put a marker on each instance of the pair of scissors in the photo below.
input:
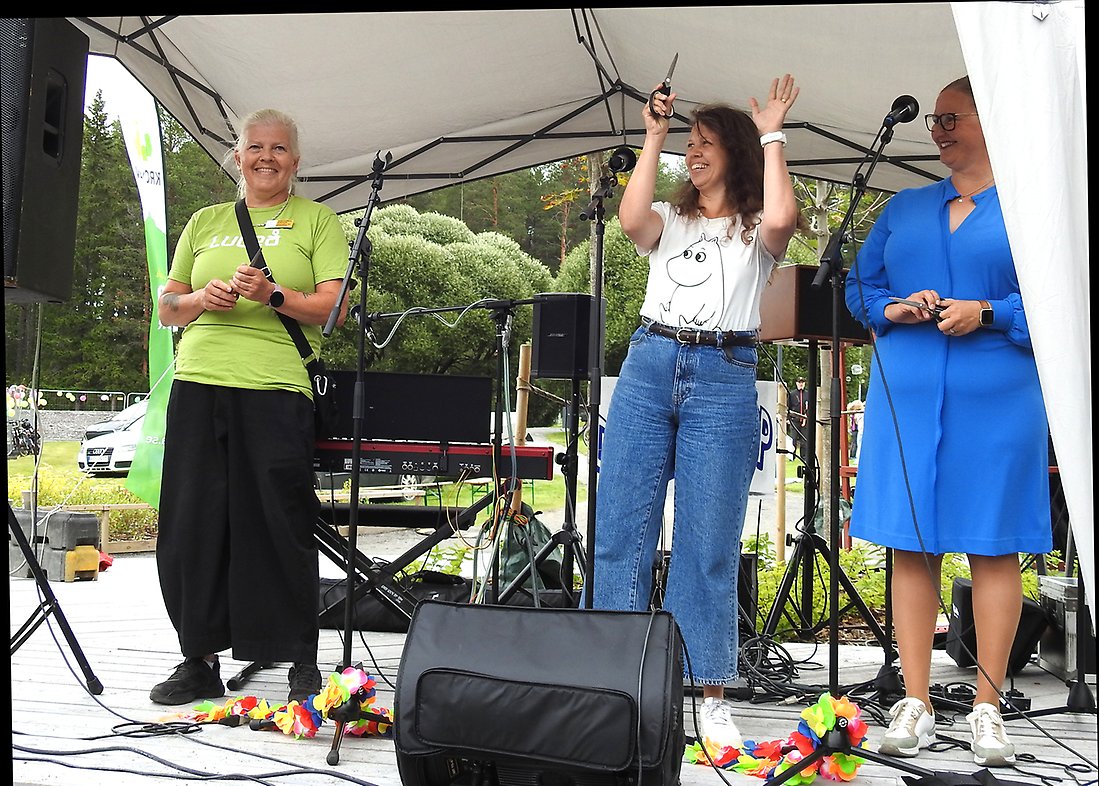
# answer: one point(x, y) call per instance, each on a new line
point(665, 89)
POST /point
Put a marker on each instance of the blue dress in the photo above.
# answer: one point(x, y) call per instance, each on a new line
point(970, 470)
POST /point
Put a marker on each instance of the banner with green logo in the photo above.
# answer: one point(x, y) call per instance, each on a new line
point(141, 130)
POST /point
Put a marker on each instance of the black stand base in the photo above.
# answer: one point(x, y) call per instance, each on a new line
point(48, 606)
point(835, 741)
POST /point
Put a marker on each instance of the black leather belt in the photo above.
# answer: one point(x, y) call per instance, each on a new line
point(709, 338)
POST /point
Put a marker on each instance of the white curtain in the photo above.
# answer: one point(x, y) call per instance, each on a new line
point(1026, 63)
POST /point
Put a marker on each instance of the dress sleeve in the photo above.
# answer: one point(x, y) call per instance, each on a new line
point(866, 289)
point(1009, 316)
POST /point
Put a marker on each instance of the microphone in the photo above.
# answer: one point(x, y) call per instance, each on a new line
point(622, 160)
point(904, 110)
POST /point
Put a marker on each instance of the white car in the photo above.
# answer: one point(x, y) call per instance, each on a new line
point(111, 453)
point(118, 421)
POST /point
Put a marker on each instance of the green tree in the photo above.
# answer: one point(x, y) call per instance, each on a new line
point(427, 283)
point(95, 339)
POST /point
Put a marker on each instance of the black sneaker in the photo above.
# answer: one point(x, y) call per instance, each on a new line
point(192, 679)
point(305, 681)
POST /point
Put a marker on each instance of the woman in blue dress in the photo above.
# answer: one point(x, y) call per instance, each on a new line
point(955, 457)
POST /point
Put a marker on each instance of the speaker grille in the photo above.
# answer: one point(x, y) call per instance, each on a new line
point(44, 63)
point(15, 65)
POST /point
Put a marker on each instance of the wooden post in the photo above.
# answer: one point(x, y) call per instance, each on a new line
point(522, 396)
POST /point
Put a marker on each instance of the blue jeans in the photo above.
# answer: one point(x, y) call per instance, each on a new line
point(691, 412)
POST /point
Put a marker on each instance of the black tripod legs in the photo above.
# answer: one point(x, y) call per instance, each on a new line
point(802, 558)
point(48, 606)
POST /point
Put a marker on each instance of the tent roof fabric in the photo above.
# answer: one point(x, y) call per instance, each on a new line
point(454, 96)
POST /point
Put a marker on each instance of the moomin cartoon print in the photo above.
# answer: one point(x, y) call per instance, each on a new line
point(696, 298)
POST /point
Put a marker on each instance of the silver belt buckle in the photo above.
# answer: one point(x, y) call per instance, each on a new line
point(682, 335)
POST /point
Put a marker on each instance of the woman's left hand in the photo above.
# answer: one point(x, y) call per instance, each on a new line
point(251, 284)
point(959, 317)
point(780, 98)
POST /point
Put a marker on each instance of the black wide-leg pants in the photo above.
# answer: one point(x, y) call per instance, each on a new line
point(236, 549)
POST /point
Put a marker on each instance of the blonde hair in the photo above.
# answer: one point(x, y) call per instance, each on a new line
point(263, 117)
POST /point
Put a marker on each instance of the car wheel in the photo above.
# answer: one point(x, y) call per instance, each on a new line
point(410, 482)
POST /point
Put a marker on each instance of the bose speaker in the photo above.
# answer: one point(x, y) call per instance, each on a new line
point(562, 332)
point(43, 62)
point(961, 636)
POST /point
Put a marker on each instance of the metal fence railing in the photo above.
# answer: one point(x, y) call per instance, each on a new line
point(21, 398)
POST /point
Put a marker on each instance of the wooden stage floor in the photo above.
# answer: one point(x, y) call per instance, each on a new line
point(62, 735)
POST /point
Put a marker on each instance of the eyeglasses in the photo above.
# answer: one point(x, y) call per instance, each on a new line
point(946, 120)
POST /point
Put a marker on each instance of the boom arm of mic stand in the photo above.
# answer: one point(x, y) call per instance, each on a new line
point(360, 250)
point(834, 251)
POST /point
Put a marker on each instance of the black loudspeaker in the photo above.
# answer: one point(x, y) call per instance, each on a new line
point(43, 62)
point(791, 310)
point(512, 696)
point(961, 636)
point(747, 590)
point(562, 329)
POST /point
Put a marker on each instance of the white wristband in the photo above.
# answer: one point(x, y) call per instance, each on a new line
point(774, 136)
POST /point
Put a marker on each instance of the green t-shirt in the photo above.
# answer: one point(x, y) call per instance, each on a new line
point(248, 346)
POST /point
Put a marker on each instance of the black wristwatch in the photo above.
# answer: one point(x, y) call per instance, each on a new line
point(986, 314)
point(277, 297)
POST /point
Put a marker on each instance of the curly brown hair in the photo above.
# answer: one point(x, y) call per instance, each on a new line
point(736, 132)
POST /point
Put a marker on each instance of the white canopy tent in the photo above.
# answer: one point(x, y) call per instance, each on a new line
point(461, 95)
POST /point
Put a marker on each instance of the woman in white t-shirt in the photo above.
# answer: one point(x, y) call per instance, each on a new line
point(685, 400)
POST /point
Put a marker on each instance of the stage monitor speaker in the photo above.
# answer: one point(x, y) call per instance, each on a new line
point(961, 636)
point(514, 696)
point(562, 329)
point(43, 62)
point(415, 407)
point(792, 311)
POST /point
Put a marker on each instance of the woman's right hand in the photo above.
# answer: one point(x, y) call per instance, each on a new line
point(218, 296)
point(658, 126)
point(910, 315)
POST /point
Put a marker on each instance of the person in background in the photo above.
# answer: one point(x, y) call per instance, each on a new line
point(797, 410)
point(236, 551)
point(685, 401)
point(854, 415)
point(963, 387)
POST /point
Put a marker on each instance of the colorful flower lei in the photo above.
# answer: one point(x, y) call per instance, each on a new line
point(346, 697)
point(771, 759)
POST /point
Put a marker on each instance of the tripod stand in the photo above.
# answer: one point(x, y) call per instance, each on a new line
point(47, 607)
point(567, 537)
point(622, 160)
point(836, 740)
point(808, 544)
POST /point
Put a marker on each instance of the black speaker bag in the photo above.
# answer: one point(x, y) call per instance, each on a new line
point(506, 685)
point(961, 636)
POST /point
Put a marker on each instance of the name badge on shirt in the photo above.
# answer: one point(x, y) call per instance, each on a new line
point(284, 223)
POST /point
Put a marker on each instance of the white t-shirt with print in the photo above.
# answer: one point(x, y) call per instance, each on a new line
point(703, 276)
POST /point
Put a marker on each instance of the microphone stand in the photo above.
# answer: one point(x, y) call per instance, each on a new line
point(596, 210)
point(836, 740)
point(359, 258)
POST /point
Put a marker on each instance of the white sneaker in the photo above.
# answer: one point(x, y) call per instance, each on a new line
point(911, 729)
point(991, 747)
point(718, 729)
